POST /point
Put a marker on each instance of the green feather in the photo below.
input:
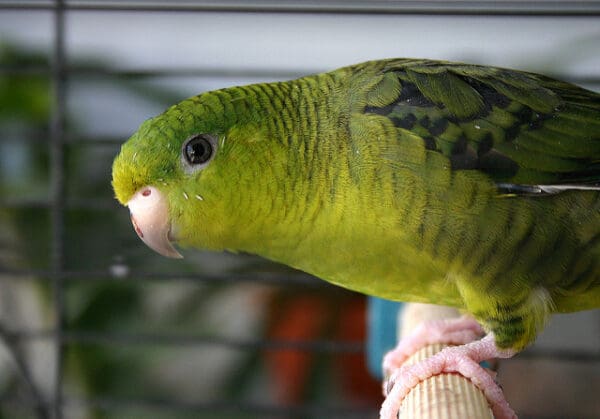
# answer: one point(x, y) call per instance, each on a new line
point(412, 180)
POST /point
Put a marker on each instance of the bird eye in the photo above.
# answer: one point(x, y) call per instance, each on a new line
point(198, 149)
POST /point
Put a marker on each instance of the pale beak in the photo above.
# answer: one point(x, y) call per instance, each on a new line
point(150, 217)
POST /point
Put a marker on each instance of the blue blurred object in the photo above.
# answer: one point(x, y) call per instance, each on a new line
point(382, 326)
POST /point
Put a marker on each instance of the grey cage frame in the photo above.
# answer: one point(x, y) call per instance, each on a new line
point(60, 72)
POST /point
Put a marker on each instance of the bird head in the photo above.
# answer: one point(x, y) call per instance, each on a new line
point(186, 174)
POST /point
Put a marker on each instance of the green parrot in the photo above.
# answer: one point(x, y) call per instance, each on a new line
point(412, 180)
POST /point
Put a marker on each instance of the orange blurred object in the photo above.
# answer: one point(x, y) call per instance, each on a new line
point(308, 317)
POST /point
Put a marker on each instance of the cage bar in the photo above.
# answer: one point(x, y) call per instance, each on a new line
point(405, 7)
point(58, 203)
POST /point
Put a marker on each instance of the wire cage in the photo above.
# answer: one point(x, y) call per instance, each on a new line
point(95, 325)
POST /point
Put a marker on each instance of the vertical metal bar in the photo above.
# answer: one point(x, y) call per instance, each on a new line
point(57, 179)
point(16, 350)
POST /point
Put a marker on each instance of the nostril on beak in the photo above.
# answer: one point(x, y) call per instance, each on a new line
point(149, 212)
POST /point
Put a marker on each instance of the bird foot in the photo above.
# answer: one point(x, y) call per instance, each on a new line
point(456, 331)
point(463, 359)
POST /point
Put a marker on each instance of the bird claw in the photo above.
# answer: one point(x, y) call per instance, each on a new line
point(457, 331)
point(463, 359)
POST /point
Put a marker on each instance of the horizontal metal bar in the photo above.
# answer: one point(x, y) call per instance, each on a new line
point(561, 354)
point(228, 72)
point(108, 338)
point(321, 346)
point(70, 204)
point(231, 406)
point(218, 72)
point(80, 140)
point(25, 69)
point(267, 278)
point(215, 407)
point(24, 203)
point(426, 7)
point(328, 346)
point(221, 72)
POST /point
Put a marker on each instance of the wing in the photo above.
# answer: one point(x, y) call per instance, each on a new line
point(519, 128)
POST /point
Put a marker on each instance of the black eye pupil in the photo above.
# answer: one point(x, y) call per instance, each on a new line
point(198, 150)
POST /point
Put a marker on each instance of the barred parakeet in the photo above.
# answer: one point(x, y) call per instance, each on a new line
point(413, 180)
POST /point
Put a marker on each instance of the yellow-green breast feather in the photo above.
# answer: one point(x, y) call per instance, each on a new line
point(412, 180)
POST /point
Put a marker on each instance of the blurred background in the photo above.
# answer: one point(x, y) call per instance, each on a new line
point(95, 325)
